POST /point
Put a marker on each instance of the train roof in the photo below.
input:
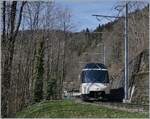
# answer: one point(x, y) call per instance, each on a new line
point(95, 66)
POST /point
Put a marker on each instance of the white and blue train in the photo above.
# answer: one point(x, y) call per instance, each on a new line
point(94, 81)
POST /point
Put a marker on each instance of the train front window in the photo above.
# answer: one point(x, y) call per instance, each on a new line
point(94, 76)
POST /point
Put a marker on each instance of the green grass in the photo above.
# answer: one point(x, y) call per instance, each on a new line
point(70, 109)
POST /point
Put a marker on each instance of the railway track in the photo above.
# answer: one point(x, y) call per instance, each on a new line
point(130, 107)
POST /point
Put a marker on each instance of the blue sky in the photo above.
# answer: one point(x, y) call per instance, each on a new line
point(82, 11)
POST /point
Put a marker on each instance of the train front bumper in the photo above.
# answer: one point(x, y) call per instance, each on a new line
point(86, 88)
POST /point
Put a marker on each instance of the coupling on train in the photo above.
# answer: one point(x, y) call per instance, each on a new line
point(94, 81)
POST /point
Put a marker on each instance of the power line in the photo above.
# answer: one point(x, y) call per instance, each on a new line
point(107, 16)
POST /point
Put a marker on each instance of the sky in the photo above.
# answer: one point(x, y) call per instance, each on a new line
point(82, 11)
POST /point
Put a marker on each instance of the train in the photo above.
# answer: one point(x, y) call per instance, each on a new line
point(94, 81)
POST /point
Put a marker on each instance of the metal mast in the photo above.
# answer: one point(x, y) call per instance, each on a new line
point(126, 53)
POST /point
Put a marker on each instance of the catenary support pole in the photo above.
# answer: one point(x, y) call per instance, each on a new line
point(126, 54)
point(104, 53)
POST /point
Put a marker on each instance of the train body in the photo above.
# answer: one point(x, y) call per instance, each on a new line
point(94, 81)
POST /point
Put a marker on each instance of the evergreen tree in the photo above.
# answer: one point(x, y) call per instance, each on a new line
point(87, 30)
point(38, 83)
point(51, 88)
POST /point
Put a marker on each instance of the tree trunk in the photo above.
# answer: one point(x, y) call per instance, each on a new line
point(7, 56)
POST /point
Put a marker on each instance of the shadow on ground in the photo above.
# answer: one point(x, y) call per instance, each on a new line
point(116, 95)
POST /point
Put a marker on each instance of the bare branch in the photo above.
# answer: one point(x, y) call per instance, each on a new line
point(20, 18)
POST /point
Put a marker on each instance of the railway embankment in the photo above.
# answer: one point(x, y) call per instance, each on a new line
point(72, 109)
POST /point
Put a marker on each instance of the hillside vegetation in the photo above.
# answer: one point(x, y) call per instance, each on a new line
point(112, 36)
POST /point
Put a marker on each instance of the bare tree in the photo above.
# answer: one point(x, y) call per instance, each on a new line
point(12, 21)
point(137, 19)
point(41, 21)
